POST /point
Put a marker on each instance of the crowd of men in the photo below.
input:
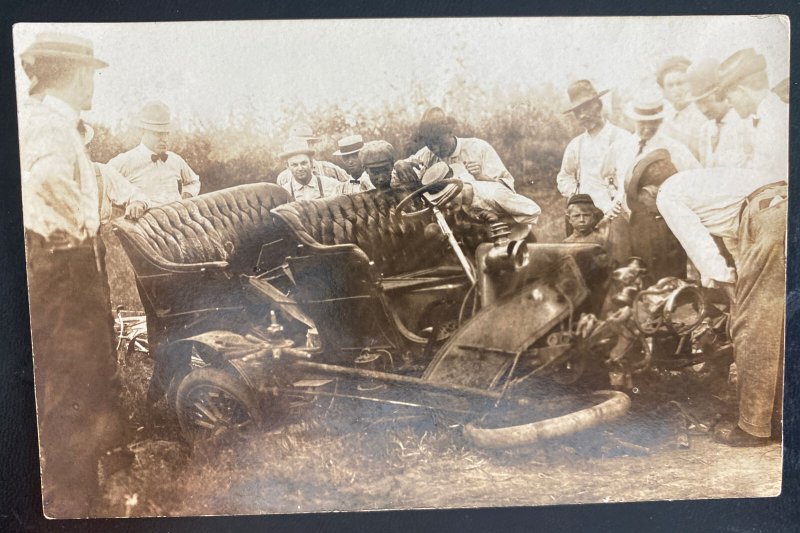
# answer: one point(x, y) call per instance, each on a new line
point(698, 189)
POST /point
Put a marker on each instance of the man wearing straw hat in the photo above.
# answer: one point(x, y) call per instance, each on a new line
point(726, 139)
point(305, 183)
point(76, 389)
point(358, 180)
point(162, 176)
point(582, 165)
point(303, 132)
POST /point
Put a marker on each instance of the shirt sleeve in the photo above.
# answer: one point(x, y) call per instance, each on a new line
point(682, 157)
point(691, 233)
point(118, 189)
point(492, 167)
point(567, 178)
point(189, 179)
point(332, 170)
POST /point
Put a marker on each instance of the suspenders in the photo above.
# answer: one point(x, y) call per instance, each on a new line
point(319, 186)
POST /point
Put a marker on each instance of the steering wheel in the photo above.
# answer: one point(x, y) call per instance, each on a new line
point(448, 196)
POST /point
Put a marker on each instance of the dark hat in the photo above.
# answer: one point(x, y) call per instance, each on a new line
point(739, 66)
point(672, 63)
point(62, 46)
point(352, 144)
point(435, 122)
point(375, 153)
point(580, 199)
point(652, 168)
point(581, 92)
point(703, 78)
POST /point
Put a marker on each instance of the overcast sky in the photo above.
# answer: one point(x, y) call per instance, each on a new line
point(204, 70)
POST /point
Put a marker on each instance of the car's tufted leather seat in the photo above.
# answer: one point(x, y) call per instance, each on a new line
point(396, 244)
point(228, 225)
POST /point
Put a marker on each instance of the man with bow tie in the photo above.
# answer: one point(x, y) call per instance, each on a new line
point(162, 175)
point(358, 180)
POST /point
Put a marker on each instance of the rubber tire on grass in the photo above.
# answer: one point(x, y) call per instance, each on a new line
point(218, 381)
point(610, 405)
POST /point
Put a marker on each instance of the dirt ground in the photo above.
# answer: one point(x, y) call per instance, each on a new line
point(350, 455)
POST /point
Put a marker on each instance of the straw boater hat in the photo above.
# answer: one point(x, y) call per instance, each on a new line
point(352, 144)
point(647, 105)
point(60, 45)
point(154, 116)
point(582, 92)
point(301, 130)
point(295, 147)
point(652, 168)
point(703, 78)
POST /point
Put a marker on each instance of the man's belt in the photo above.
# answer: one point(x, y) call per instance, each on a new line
point(778, 190)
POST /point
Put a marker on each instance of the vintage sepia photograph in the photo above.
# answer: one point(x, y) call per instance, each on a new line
point(302, 266)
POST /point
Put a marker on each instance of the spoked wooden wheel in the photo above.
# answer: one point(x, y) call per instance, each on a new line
point(533, 421)
point(211, 401)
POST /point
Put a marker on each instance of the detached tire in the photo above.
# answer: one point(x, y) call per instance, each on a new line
point(211, 401)
point(601, 407)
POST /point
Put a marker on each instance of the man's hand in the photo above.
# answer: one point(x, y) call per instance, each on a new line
point(405, 171)
point(474, 169)
point(135, 210)
point(185, 195)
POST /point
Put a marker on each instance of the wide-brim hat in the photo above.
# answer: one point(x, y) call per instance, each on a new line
point(434, 174)
point(739, 66)
point(703, 78)
point(154, 116)
point(352, 144)
point(582, 92)
point(295, 147)
point(647, 105)
point(640, 166)
point(671, 64)
point(64, 46)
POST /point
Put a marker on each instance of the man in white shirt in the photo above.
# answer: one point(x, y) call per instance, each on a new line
point(748, 211)
point(303, 132)
point(162, 176)
point(682, 121)
point(726, 138)
point(77, 392)
point(744, 82)
point(436, 129)
point(357, 179)
point(305, 183)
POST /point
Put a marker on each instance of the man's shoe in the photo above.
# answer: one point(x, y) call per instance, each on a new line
point(738, 438)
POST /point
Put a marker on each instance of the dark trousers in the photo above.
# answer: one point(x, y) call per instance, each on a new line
point(758, 313)
point(77, 392)
point(653, 241)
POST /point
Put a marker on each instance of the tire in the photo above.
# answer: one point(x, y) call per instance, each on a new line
point(600, 407)
point(211, 401)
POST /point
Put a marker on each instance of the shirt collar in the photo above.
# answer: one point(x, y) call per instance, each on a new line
point(602, 131)
point(459, 146)
point(61, 107)
point(311, 183)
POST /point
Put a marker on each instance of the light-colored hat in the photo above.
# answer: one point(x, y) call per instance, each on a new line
point(154, 116)
point(352, 144)
point(703, 78)
point(295, 147)
point(582, 92)
point(741, 65)
point(376, 153)
point(437, 172)
point(61, 45)
point(301, 130)
point(647, 105)
point(670, 64)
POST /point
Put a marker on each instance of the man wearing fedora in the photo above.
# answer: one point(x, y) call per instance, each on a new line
point(747, 210)
point(682, 120)
point(726, 139)
point(303, 132)
point(162, 176)
point(436, 130)
point(744, 83)
point(358, 180)
point(75, 365)
point(305, 182)
point(582, 164)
